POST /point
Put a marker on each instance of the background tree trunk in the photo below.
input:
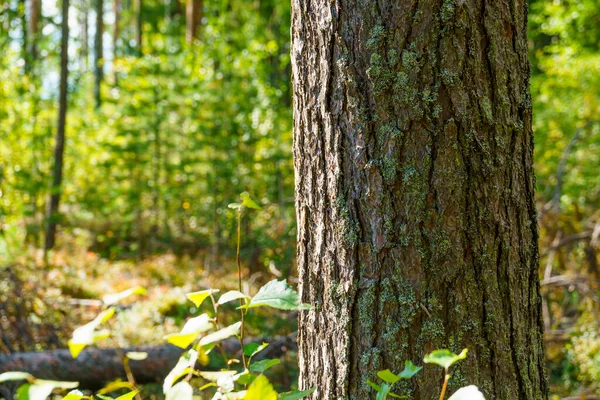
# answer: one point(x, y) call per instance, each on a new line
point(59, 146)
point(137, 9)
point(414, 195)
point(193, 18)
point(34, 18)
point(98, 52)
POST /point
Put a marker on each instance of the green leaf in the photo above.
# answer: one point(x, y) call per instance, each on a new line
point(198, 297)
point(388, 376)
point(467, 393)
point(16, 376)
point(115, 298)
point(231, 296)
point(263, 365)
point(221, 334)
point(444, 358)
point(277, 294)
point(248, 202)
point(261, 389)
point(374, 385)
point(251, 349)
point(182, 391)
point(410, 370)
point(385, 390)
point(235, 206)
point(295, 394)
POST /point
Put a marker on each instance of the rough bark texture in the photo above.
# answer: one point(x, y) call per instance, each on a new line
point(414, 195)
point(59, 145)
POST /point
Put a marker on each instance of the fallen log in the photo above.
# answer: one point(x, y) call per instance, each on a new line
point(96, 366)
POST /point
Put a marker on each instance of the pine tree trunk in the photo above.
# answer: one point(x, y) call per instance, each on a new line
point(417, 228)
point(59, 146)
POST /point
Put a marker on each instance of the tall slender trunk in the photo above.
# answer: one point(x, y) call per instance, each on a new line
point(35, 10)
point(98, 53)
point(59, 146)
point(137, 10)
point(417, 228)
point(116, 33)
point(193, 18)
point(83, 55)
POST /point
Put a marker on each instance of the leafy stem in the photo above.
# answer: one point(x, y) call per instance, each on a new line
point(239, 267)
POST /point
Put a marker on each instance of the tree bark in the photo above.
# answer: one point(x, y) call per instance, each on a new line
point(35, 9)
point(417, 227)
point(116, 33)
point(59, 146)
point(137, 9)
point(193, 18)
point(98, 53)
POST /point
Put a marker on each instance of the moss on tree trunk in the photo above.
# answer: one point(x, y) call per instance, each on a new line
point(416, 221)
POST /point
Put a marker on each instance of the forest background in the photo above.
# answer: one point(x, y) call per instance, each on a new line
point(173, 109)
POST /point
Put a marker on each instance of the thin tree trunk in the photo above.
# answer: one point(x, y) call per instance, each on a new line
point(98, 53)
point(414, 195)
point(116, 33)
point(34, 18)
point(59, 146)
point(193, 18)
point(137, 9)
point(83, 57)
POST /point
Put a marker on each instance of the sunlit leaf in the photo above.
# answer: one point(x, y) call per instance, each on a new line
point(16, 376)
point(181, 391)
point(467, 393)
point(128, 396)
point(114, 386)
point(74, 395)
point(444, 358)
point(198, 297)
point(137, 355)
point(277, 294)
point(40, 389)
point(248, 202)
point(388, 376)
point(191, 330)
point(114, 298)
point(183, 366)
point(231, 296)
point(261, 389)
point(214, 376)
point(221, 334)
